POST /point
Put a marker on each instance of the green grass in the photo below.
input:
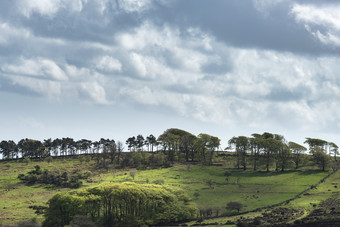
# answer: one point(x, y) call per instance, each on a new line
point(253, 189)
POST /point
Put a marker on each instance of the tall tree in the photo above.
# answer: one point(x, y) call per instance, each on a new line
point(8, 149)
point(140, 141)
point(151, 141)
point(131, 143)
point(318, 149)
point(207, 145)
point(298, 153)
point(241, 148)
point(334, 149)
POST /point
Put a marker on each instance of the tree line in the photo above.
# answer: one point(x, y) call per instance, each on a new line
point(273, 149)
point(124, 204)
point(174, 145)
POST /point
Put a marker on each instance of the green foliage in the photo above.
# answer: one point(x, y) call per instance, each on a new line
point(121, 205)
point(234, 206)
point(54, 177)
point(321, 158)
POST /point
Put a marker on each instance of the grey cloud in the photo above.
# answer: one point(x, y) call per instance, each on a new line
point(237, 23)
point(6, 85)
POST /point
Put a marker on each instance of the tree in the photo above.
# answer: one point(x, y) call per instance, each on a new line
point(241, 147)
point(334, 149)
point(31, 148)
point(151, 141)
point(140, 142)
point(8, 149)
point(177, 143)
point(318, 149)
point(298, 152)
point(48, 145)
point(234, 206)
point(120, 149)
point(123, 204)
point(131, 143)
point(313, 143)
point(320, 158)
point(206, 145)
point(255, 145)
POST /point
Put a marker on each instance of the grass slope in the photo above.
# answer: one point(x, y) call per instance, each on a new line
point(252, 189)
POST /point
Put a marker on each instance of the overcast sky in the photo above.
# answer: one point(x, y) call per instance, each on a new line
point(119, 68)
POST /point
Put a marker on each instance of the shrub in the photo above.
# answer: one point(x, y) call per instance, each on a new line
point(234, 206)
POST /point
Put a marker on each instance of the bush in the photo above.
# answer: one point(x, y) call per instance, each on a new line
point(234, 206)
point(55, 178)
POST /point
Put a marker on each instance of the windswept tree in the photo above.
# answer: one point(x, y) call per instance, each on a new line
point(84, 145)
point(48, 145)
point(151, 141)
point(131, 142)
point(187, 146)
point(56, 146)
point(333, 149)
point(8, 149)
point(207, 145)
point(321, 158)
point(241, 148)
point(297, 153)
point(313, 143)
point(281, 153)
point(31, 148)
point(140, 141)
point(176, 140)
point(317, 148)
point(255, 146)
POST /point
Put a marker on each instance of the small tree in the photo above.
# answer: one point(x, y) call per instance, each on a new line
point(234, 206)
point(209, 182)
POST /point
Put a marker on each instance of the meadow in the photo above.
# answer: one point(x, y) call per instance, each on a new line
point(206, 185)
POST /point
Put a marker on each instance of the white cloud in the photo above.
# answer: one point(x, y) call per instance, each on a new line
point(49, 89)
point(46, 8)
point(109, 64)
point(323, 22)
point(8, 33)
point(95, 91)
point(38, 67)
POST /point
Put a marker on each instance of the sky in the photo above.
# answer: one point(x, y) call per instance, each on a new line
point(118, 68)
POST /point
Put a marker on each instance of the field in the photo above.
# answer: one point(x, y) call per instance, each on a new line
point(206, 185)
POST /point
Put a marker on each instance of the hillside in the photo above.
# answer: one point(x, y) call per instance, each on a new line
point(205, 185)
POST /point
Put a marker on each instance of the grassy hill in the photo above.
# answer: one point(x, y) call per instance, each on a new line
point(206, 185)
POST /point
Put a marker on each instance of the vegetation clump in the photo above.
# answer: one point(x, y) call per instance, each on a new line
point(125, 204)
point(56, 178)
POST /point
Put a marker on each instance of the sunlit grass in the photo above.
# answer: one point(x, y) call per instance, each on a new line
point(252, 189)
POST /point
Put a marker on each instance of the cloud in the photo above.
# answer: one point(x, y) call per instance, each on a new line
point(38, 67)
point(109, 64)
point(323, 22)
point(214, 66)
